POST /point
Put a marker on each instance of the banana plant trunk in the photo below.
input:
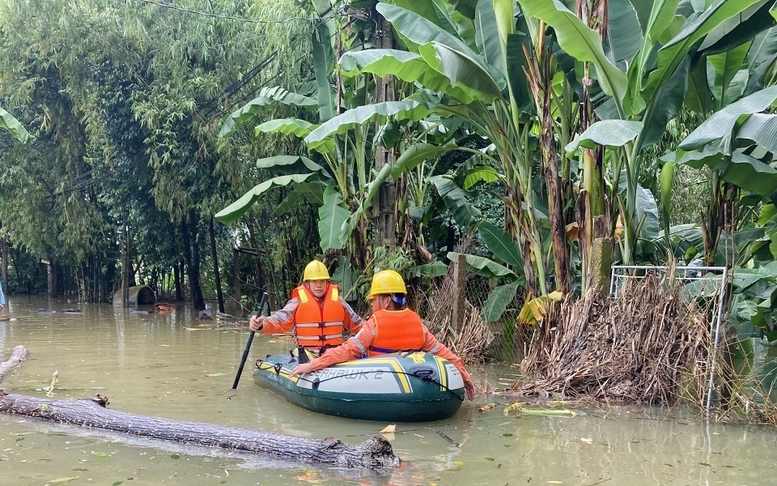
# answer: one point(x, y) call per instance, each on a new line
point(385, 211)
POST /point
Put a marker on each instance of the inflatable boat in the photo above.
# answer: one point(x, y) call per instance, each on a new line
point(406, 387)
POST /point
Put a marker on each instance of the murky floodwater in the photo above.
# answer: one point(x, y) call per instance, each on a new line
point(173, 367)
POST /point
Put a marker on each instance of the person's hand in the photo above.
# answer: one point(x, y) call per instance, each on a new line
point(470, 389)
point(256, 323)
point(301, 369)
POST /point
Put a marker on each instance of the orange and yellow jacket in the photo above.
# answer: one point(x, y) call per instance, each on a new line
point(389, 331)
point(315, 323)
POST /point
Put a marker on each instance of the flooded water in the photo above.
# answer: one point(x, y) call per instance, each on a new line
point(174, 367)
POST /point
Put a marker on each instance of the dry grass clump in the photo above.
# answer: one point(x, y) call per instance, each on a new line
point(646, 347)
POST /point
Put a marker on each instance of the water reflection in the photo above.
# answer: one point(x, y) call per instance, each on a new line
point(173, 366)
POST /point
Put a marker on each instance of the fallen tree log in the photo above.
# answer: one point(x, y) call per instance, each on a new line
point(374, 453)
point(18, 355)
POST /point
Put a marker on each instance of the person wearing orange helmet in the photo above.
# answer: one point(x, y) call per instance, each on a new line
point(392, 328)
point(316, 313)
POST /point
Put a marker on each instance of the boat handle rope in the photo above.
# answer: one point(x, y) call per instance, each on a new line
point(315, 383)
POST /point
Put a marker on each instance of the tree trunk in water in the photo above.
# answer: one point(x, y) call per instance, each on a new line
point(5, 261)
point(125, 269)
point(237, 292)
point(214, 256)
point(374, 453)
point(191, 255)
point(18, 355)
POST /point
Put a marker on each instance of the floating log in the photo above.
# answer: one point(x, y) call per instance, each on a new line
point(375, 453)
point(18, 355)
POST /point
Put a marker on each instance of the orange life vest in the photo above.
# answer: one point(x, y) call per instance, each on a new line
point(318, 323)
point(396, 331)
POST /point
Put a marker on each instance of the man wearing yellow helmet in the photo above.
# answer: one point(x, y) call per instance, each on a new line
point(316, 313)
point(391, 328)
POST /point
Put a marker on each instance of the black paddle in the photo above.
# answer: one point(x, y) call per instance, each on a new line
point(262, 301)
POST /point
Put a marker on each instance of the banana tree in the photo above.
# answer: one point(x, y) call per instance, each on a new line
point(644, 91)
point(471, 69)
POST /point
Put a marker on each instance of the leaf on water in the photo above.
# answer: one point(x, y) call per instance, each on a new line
point(490, 459)
point(555, 482)
point(507, 434)
point(175, 456)
point(80, 469)
point(389, 429)
point(62, 480)
point(19, 439)
point(117, 483)
point(215, 374)
point(103, 456)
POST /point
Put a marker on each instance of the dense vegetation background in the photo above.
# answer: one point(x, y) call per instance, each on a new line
point(541, 140)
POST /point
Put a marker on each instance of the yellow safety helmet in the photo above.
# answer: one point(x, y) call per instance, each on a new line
point(386, 282)
point(315, 270)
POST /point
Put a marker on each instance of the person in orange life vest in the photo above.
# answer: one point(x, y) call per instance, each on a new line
point(316, 313)
point(391, 328)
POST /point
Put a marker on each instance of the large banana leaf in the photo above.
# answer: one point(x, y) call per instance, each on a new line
point(464, 213)
point(499, 300)
point(408, 66)
point(760, 58)
point(464, 71)
point(579, 41)
point(483, 266)
point(323, 64)
point(721, 124)
point(499, 242)
point(670, 55)
point(267, 96)
point(725, 67)
point(760, 129)
point(751, 174)
point(623, 30)
point(610, 133)
point(234, 211)
point(746, 172)
point(422, 32)
point(287, 126)
point(415, 155)
point(406, 110)
point(665, 104)
point(487, 35)
point(8, 122)
point(482, 173)
point(290, 164)
point(661, 18)
point(331, 220)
